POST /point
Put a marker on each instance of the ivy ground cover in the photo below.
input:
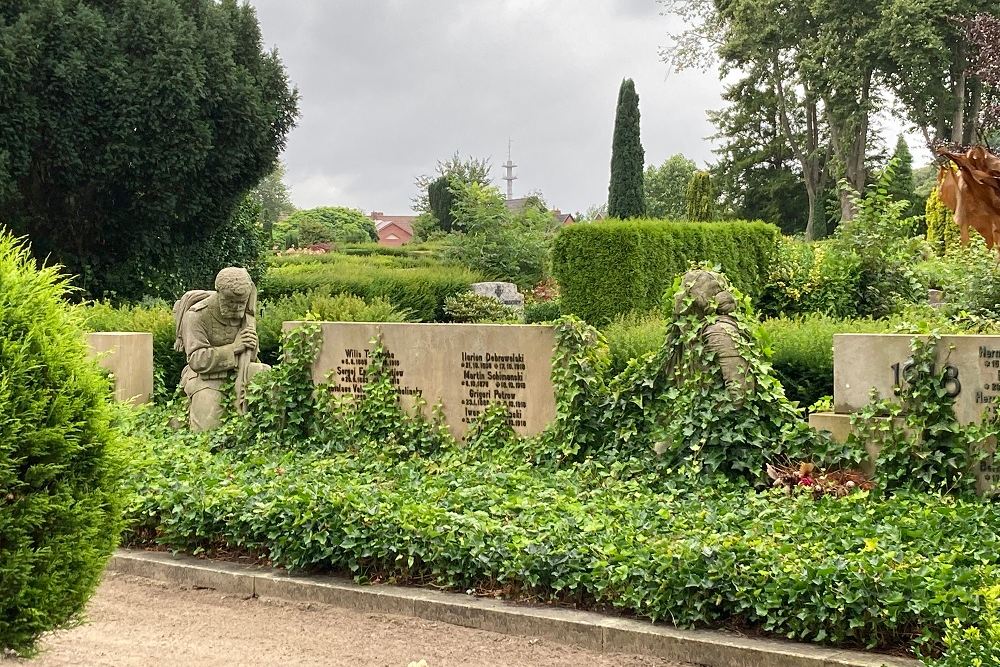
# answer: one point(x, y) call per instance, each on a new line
point(861, 570)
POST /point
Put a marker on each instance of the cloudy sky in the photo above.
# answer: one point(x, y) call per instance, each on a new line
point(389, 87)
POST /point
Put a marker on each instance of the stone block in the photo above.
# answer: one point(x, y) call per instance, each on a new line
point(505, 293)
point(129, 359)
point(465, 367)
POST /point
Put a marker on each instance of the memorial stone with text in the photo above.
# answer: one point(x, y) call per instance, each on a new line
point(465, 367)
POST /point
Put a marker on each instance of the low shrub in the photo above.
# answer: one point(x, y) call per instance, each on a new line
point(60, 507)
point(472, 307)
point(633, 336)
point(612, 268)
point(975, 644)
point(418, 289)
point(537, 312)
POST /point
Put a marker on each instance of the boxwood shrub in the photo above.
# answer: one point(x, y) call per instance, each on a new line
point(614, 267)
point(59, 463)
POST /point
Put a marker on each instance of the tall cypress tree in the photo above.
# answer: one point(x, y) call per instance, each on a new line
point(901, 186)
point(625, 195)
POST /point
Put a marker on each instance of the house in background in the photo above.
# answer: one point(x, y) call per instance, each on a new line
point(393, 230)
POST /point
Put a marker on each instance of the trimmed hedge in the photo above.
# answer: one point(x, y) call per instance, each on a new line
point(418, 286)
point(611, 268)
point(60, 507)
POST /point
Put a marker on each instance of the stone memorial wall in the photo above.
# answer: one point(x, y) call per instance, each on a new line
point(129, 359)
point(466, 367)
point(863, 362)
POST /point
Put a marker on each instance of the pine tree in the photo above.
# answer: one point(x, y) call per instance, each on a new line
point(701, 198)
point(625, 193)
point(901, 188)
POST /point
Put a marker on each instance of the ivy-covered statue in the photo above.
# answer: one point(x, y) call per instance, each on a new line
point(723, 409)
point(217, 332)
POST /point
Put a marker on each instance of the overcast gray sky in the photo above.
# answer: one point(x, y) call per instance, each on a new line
point(389, 87)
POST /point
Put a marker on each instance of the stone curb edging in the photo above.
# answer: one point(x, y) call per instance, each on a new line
point(588, 630)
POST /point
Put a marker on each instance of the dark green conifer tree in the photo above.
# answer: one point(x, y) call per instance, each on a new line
point(625, 193)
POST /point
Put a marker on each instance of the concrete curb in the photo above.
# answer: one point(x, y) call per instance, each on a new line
point(588, 630)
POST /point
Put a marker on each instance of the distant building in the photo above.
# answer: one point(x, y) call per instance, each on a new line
point(393, 230)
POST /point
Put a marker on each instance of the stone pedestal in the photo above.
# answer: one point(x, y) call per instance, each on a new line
point(466, 367)
point(129, 359)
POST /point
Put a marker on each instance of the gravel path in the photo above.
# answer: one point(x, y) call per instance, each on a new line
point(137, 622)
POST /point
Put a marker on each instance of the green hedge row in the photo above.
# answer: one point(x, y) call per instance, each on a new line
point(416, 286)
point(610, 268)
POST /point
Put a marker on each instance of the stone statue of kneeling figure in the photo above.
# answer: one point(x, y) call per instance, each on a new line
point(217, 332)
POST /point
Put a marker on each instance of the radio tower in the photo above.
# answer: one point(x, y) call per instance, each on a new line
point(509, 177)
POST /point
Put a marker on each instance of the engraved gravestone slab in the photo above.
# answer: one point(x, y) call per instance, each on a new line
point(466, 367)
point(505, 293)
point(862, 362)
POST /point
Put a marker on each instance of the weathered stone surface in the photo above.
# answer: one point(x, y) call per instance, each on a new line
point(466, 367)
point(505, 293)
point(217, 332)
point(129, 359)
point(862, 362)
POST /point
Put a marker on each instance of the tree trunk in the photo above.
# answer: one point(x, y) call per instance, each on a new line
point(958, 119)
point(975, 108)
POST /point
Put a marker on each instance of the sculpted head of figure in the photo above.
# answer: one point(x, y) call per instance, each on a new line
point(704, 293)
point(234, 287)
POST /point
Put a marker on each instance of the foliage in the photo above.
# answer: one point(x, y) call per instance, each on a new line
point(241, 242)
point(615, 267)
point(973, 644)
point(441, 199)
point(883, 240)
point(665, 187)
point(942, 231)
point(758, 177)
point(472, 307)
point(701, 197)
point(501, 247)
point(327, 224)
point(456, 170)
point(819, 277)
point(60, 508)
point(417, 286)
point(426, 227)
point(132, 131)
point(275, 202)
point(536, 311)
point(969, 276)
point(983, 33)
point(625, 192)
point(865, 270)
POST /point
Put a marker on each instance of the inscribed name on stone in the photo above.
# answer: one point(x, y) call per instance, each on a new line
point(465, 367)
